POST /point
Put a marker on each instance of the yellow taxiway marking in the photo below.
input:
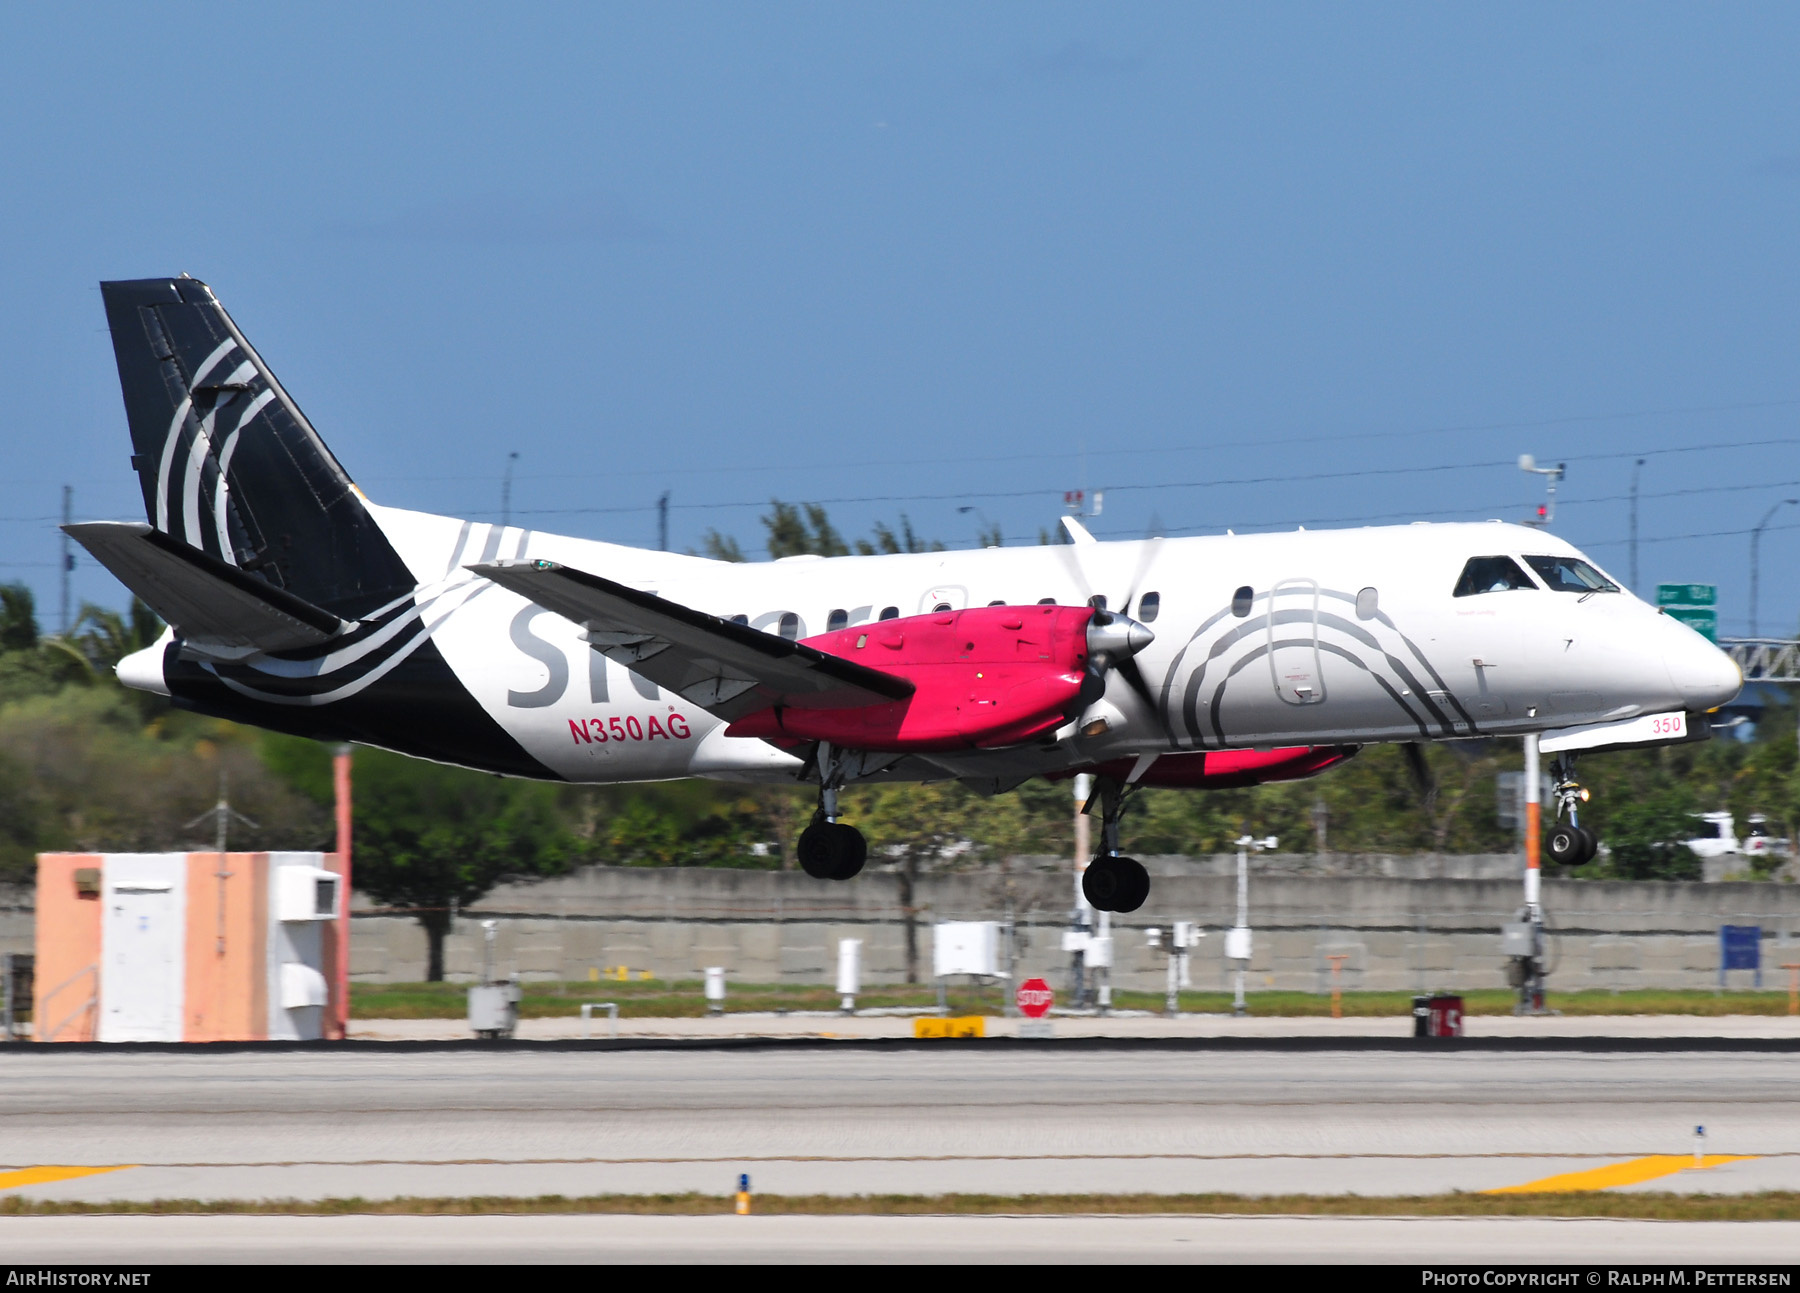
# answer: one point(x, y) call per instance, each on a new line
point(1629, 1172)
point(46, 1174)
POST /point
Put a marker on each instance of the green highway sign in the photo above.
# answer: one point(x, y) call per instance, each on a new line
point(1687, 594)
point(1702, 619)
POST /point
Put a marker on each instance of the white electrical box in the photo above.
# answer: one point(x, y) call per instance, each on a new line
point(1237, 943)
point(1186, 934)
point(493, 1009)
point(849, 974)
point(301, 986)
point(715, 983)
point(305, 893)
point(1075, 940)
point(1516, 939)
point(966, 947)
point(1100, 953)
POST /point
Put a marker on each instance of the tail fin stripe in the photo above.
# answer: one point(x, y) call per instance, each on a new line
point(222, 497)
point(170, 442)
point(212, 361)
point(198, 448)
point(168, 462)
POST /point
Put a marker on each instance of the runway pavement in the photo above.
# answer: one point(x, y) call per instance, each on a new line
point(291, 1124)
point(1583, 1245)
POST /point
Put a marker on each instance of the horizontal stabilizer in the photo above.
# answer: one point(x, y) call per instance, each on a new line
point(726, 668)
point(219, 610)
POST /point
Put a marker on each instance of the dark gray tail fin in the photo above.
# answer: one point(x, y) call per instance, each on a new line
point(229, 464)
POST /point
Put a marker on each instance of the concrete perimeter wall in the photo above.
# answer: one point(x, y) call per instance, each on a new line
point(1409, 934)
point(1403, 923)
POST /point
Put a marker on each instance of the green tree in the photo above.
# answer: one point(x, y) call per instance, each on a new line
point(798, 529)
point(428, 838)
point(18, 618)
point(914, 828)
point(1648, 837)
point(720, 547)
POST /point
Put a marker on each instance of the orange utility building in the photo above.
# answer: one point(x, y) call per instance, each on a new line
point(185, 947)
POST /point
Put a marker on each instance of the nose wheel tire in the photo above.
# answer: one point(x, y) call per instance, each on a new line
point(1572, 845)
point(1115, 884)
point(832, 850)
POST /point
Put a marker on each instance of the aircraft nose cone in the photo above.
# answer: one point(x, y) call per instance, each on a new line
point(1705, 676)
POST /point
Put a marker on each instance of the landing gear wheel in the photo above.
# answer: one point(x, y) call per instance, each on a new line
point(831, 850)
point(853, 851)
point(1115, 884)
point(1101, 882)
point(1134, 888)
point(1568, 845)
point(1590, 845)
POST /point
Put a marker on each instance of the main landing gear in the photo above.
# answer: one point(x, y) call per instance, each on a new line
point(830, 849)
point(1570, 843)
point(1112, 882)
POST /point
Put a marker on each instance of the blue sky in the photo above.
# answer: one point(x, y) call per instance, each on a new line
point(1246, 266)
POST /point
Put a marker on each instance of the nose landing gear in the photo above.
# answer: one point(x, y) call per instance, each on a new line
point(1113, 882)
point(1570, 843)
point(830, 849)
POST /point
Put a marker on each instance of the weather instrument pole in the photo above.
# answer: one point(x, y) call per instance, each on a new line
point(1546, 512)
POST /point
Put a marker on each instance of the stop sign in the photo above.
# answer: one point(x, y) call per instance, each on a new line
point(1034, 998)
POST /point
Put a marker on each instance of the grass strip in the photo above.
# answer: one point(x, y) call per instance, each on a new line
point(1771, 1205)
point(655, 998)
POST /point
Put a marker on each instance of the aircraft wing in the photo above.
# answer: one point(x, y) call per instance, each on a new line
point(726, 668)
point(220, 610)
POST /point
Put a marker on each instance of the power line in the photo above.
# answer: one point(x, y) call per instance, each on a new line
point(1214, 483)
point(1257, 443)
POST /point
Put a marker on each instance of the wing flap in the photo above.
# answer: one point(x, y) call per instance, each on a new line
point(728, 669)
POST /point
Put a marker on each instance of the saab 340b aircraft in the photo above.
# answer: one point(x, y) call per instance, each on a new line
point(296, 603)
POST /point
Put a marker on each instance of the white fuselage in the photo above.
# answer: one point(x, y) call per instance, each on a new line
point(1349, 636)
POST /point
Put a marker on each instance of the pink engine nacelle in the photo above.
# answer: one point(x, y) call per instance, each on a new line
point(1228, 769)
point(984, 678)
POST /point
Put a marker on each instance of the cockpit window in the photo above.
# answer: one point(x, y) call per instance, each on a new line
point(1570, 575)
point(1491, 575)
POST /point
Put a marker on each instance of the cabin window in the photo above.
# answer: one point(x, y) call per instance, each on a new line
point(1368, 604)
point(836, 620)
point(1241, 601)
point(1491, 575)
point(1149, 607)
point(1570, 575)
point(941, 606)
point(790, 626)
point(997, 603)
point(890, 613)
point(1046, 601)
point(740, 619)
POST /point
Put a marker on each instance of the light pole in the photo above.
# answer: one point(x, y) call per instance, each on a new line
point(1756, 555)
point(506, 491)
point(1635, 468)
